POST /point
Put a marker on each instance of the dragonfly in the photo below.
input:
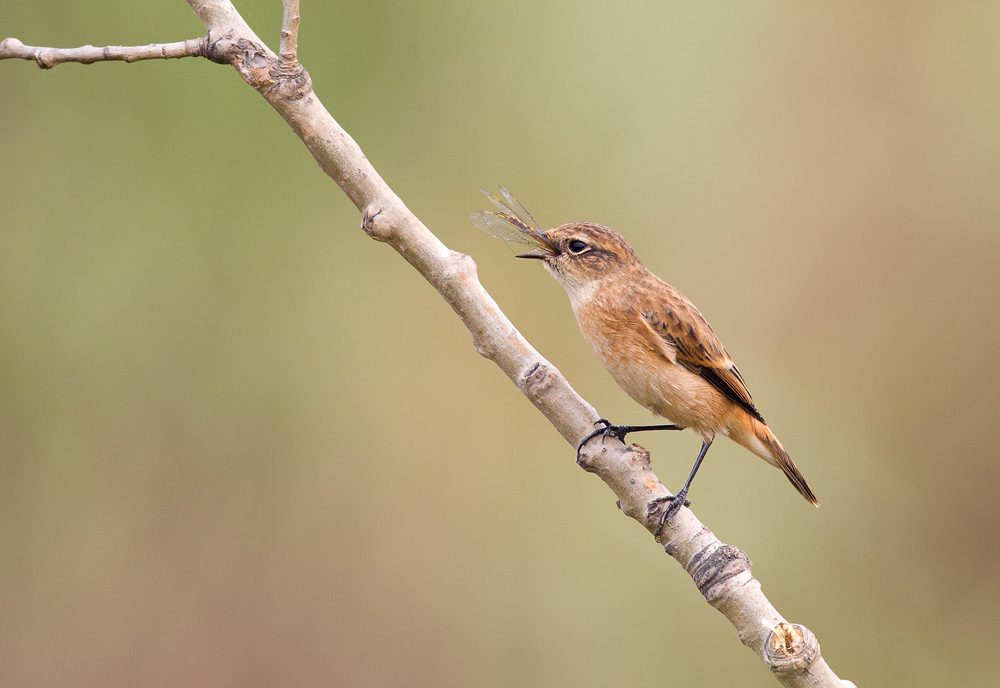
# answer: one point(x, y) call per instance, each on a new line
point(514, 225)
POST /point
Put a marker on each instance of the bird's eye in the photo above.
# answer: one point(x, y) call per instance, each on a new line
point(576, 246)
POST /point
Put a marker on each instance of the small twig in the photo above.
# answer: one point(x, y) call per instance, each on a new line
point(47, 58)
point(289, 46)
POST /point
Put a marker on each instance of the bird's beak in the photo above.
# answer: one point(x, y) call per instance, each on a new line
point(546, 249)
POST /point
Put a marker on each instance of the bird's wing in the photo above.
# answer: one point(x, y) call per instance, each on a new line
point(678, 331)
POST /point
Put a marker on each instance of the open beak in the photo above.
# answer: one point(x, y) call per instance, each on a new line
point(546, 249)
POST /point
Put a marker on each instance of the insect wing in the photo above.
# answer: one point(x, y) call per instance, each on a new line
point(505, 227)
point(512, 208)
point(497, 202)
point(520, 210)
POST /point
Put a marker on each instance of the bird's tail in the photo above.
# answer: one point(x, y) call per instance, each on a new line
point(762, 442)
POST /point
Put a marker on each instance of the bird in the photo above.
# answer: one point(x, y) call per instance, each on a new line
point(656, 344)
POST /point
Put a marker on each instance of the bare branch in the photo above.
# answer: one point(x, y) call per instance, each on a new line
point(721, 572)
point(289, 47)
point(47, 58)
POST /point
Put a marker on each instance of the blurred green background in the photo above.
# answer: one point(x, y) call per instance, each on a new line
point(241, 444)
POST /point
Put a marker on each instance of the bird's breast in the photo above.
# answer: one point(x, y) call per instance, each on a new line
point(665, 388)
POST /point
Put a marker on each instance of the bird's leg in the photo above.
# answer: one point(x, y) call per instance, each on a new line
point(678, 499)
point(619, 431)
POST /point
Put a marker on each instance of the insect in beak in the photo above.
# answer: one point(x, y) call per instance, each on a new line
point(546, 249)
point(515, 226)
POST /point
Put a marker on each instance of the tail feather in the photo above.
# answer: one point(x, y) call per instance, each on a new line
point(777, 456)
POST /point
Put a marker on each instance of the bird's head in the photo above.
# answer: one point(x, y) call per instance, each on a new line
point(580, 254)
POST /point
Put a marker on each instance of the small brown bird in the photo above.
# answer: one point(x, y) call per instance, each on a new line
point(657, 346)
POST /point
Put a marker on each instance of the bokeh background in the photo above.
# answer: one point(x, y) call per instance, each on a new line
point(241, 444)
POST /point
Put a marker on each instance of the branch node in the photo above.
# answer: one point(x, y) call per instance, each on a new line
point(290, 80)
point(640, 457)
point(378, 228)
point(713, 571)
point(261, 69)
point(536, 379)
point(484, 347)
point(219, 49)
point(10, 46)
point(464, 265)
point(790, 649)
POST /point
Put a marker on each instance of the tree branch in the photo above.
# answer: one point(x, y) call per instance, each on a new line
point(47, 58)
point(289, 46)
point(721, 572)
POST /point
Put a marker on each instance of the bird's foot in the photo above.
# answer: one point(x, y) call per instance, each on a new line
point(609, 430)
point(676, 502)
point(619, 431)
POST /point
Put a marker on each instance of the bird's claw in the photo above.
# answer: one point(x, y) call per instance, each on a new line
point(609, 430)
point(676, 502)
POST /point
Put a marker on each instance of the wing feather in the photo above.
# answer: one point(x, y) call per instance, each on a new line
point(683, 336)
